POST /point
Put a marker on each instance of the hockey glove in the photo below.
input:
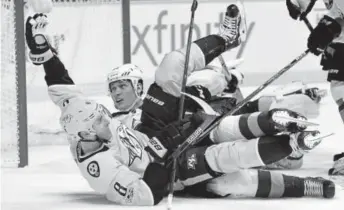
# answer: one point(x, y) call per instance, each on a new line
point(40, 50)
point(323, 34)
point(338, 165)
point(299, 8)
point(237, 79)
point(172, 135)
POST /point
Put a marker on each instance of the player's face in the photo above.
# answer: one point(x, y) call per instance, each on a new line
point(123, 94)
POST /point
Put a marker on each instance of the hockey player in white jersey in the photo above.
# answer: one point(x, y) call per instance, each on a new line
point(327, 37)
point(113, 157)
point(125, 85)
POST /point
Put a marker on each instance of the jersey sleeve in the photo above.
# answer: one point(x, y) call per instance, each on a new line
point(61, 87)
point(110, 177)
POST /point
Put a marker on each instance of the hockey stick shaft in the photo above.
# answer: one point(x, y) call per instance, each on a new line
point(256, 92)
point(187, 56)
point(198, 136)
point(182, 101)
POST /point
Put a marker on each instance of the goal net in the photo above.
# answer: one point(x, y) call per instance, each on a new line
point(87, 35)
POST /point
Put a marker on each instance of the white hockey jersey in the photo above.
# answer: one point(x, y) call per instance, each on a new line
point(114, 169)
point(131, 119)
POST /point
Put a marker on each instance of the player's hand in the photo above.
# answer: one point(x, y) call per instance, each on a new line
point(323, 34)
point(237, 79)
point(40, 50)
point(299, 8)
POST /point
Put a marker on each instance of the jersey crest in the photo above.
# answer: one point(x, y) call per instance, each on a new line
point(131, 142)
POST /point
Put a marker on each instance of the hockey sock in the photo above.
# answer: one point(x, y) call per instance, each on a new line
point(250, 107)
point(277, 185)
point(212, 46)
point(273, 148)
point(256, 124)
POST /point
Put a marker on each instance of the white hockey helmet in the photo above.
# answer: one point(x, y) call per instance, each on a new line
point(80, 115)
point(126, 72)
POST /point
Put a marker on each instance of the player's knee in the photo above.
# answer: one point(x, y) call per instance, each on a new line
point(337, 91)
point(227, 130)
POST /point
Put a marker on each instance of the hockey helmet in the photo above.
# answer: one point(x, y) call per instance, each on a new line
point(129, 72)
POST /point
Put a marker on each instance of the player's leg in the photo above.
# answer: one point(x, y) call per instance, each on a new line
point(258, 124)
point(269, 184)
point(332, 61)
point(295, 96)
point(160, 106)
point(170, 72)
point(228, 156)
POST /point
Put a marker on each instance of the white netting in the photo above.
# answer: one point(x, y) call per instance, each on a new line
point(87, 35)
point(9, 123)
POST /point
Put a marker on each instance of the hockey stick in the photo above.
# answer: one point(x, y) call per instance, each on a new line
point(308, 24)
point(198, 135)
point(181, 101)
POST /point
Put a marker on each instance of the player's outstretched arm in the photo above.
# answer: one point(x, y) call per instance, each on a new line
point(61, 87)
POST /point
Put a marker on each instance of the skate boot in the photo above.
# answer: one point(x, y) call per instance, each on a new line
point(233, 29)
point(283, 119)
point(305, 141)
point(319, 187)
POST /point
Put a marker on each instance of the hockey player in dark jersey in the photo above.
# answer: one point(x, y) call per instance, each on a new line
point(327, 37)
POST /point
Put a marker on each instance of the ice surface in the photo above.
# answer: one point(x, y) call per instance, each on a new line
point(52, 181)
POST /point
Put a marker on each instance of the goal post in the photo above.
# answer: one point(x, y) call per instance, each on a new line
point(13, 85)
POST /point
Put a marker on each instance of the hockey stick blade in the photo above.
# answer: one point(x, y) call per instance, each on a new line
point(298, 121)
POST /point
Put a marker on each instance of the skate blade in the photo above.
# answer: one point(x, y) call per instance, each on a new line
point(323, 136)
point(298, 121)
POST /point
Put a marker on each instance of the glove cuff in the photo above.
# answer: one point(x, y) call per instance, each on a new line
point(41, 58)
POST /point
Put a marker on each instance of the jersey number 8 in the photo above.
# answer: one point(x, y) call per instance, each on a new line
point(120, 189)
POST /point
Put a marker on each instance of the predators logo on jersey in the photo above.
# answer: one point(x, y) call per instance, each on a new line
point(130, 141)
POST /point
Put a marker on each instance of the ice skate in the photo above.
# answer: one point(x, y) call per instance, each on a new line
point(233, 29)
point(306, 140)
point(287, 121)
point(319, 187)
